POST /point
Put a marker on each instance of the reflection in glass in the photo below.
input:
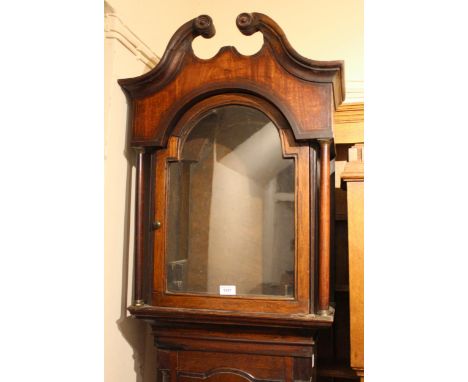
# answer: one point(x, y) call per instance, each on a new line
point(231, 208)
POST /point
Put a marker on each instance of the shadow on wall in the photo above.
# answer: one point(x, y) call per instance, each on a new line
point(136, 332)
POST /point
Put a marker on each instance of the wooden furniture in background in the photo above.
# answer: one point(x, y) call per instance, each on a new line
point(190, 120)
point(353, 181)
point(333, 344)
point(349, 123)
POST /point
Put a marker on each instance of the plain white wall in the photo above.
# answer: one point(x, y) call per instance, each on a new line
point(317, 29)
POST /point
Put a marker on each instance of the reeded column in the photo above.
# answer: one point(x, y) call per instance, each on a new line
point(139, 228)
point(324, 229)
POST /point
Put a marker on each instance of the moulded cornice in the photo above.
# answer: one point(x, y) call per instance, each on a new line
point(305, 91)
point(290, 59)
point(180, 46)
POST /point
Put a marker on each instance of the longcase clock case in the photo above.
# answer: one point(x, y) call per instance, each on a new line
point(232, 229)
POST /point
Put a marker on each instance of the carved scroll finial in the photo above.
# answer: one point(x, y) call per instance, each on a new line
point(309, 70)
point(274, 40)
point(246, 23)
point(178, 48)
point(203, 25)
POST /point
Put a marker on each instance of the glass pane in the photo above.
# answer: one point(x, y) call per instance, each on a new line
point(231, 208)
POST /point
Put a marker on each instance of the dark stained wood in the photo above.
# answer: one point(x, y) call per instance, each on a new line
point(179, 45)
point(341, 263)
point(341, 371)
point(148, 167)
point(214, 354)
point(234, 338)
point(302, 89)
point(313, 250)
point(139, 227)
point(186, 315)
point(161, 158)
point(324, 228)
point(306, 106)
point(195, 113)
point(291, 149)
point(292, 61)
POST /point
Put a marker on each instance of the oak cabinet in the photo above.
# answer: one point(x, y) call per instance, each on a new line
point(232, 232)
point(352, 180)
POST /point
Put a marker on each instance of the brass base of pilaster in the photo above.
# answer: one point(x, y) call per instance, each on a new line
point(326, 312)
point(139, 303)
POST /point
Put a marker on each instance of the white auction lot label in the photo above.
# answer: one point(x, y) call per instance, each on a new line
point(227, 290)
